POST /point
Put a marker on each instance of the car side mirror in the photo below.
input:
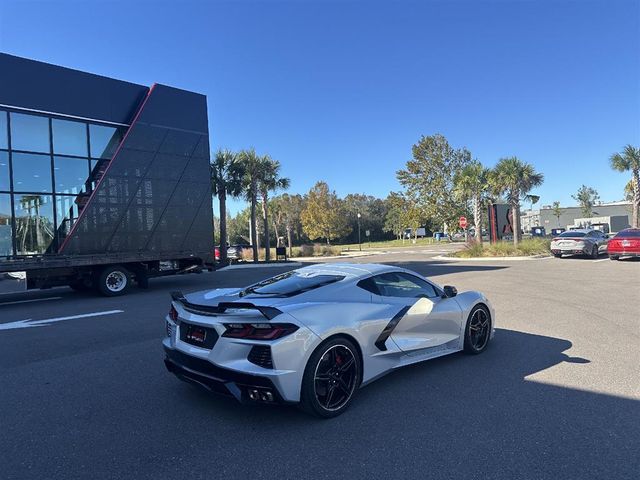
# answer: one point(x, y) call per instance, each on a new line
point(449, 291)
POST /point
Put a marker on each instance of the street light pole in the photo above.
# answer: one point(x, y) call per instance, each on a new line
point(359, 242)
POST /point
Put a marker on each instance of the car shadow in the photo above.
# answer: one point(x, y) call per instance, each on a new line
point(477, 415)
point(434, 268)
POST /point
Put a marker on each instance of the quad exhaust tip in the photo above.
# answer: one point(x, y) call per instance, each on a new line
point(256, 395)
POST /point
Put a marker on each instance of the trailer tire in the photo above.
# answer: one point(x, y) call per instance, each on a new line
point(113, 281)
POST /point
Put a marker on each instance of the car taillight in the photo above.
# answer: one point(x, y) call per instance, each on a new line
point(173, 313)
point(216, 253)
point(259, 331)
point(555, 240)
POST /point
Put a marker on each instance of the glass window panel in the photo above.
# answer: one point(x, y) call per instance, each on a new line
point(70, 174)
point(34, 223)
point(3, 130)
point(69, 138)
point(29, 132)
point(31, 172)
point(404, 286)
point(67, 210)
point(104, 140)
point(4, 171)
point(6, 248)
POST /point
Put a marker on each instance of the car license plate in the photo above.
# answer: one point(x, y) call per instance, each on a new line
point(196, 334)
point(626, 243)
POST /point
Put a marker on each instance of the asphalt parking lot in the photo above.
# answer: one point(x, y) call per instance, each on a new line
point(556, 395)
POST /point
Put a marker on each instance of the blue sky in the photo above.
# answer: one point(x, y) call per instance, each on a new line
point(340, 90)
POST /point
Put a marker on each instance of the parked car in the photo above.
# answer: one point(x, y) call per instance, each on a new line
point(625, 244)
point(538, 232)
point(585, 241)
point(313, 336)
point(234, 252)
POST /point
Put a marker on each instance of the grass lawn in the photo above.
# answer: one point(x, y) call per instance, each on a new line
point(527, 247)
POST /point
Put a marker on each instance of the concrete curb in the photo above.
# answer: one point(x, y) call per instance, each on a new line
point(490, 259)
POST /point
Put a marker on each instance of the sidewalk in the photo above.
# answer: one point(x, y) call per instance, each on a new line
point(297, 261)
point(489, 259)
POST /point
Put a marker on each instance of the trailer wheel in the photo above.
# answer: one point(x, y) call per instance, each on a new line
point(113, 281)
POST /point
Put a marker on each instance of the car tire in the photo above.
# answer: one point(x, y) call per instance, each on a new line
point(113, 281)
point(594, 252)
point(557, 255)
point(477, 332)
point(331, 378)
point(614, 257)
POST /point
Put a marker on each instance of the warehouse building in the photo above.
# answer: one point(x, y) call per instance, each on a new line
point(546, 217)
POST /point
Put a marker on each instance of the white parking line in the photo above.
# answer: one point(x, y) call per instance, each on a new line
point(29, 301)
point(42, 323)
point(601, 260)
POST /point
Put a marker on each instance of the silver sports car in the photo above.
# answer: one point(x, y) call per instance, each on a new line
point(315, 335)
point(585, 241)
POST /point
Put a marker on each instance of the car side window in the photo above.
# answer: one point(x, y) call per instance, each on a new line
point(403, 285)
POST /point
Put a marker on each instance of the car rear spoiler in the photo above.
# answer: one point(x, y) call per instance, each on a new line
point(267, 312)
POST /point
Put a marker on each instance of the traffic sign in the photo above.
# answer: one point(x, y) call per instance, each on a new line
point(463, 222)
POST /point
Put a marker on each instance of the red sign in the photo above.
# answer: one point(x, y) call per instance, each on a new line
point(463, 222)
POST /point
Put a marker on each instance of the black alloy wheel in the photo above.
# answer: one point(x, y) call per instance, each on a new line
point(331, 378)
point(594, 252)
point(478, 331)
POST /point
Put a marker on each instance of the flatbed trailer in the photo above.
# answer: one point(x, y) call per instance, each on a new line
point(103, 183)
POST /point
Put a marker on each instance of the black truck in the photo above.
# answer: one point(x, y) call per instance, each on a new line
point(102, 182)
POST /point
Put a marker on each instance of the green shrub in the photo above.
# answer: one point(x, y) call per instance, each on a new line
point(320, 250)
point(316, 250)
point(527, 247)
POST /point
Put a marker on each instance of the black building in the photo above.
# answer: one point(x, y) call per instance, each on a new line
point(92, 166)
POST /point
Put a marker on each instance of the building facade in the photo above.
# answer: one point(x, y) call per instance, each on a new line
point(545, 216)
point(92, 165)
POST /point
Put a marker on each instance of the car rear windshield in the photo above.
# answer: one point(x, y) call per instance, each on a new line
point(572, 234)
point(628, 233)
point(291, 283)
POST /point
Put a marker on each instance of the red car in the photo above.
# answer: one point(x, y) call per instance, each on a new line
point(625, 244)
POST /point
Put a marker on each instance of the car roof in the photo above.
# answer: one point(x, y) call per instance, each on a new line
point(353, 270)
point(580, 230)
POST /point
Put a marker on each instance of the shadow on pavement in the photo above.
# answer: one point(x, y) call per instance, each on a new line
point(436, 268)
point(477, 416)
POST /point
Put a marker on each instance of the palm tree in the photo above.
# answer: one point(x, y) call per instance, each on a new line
point(269, 181)
point(226, 180)
point(515, 179)
point(557, 211)
point(471, 184)
point(629, 159)
point(252, 168)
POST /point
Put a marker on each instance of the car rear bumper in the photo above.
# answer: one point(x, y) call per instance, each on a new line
point(569, 251)
point(623, 253)
point(243, 387)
